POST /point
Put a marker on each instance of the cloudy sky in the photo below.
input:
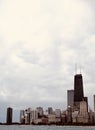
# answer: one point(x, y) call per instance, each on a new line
point(40, 43)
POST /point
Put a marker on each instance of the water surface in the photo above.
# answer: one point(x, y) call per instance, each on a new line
point(30, 127)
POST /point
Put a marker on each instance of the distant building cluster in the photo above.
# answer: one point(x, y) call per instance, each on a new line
point(76, 113)
point(39, 116)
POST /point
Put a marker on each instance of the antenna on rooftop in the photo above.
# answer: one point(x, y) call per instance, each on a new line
point(76, 68)
point(80, 69)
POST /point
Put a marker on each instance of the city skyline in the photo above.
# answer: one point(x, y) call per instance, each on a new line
point(40, 43)
point(75, 101)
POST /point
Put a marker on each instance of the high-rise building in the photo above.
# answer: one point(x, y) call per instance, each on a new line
point(70, 98)
point(22, 116)
point(27, 115)
point(50, 110)
point(94, 103)
point(40, 111)
point(9, 116)
point(33, 116)
point(78, 88)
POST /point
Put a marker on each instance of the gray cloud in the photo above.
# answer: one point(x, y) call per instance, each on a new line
point(39, 47)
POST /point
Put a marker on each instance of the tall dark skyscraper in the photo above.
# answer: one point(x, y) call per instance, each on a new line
point(78, 88)
point(9, 116)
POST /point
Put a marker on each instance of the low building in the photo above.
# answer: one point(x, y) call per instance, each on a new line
point(91, 117)
point(58, 120)
point(58, 113)
point(74, 117)
point(63, 117)
point(45, 120)
point(51, 119)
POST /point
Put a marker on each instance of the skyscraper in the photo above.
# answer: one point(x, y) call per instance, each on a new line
point(70, 98)
point(40, 111)
point(78, 88)
point(94, 103)
point(9, 116)
point(22, 116)
point(50, 110)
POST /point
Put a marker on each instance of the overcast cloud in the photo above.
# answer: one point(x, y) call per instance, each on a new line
point(40, 42)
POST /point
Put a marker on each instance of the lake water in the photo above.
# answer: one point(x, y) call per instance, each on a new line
point(29, 127)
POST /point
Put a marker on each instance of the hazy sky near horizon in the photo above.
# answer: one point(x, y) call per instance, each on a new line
point(40, 43)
